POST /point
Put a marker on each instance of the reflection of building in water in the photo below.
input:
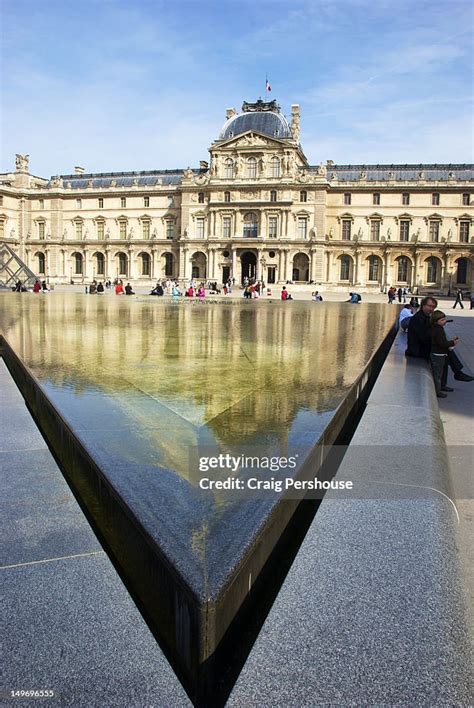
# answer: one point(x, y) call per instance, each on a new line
point(240, 370)
point(256, 209)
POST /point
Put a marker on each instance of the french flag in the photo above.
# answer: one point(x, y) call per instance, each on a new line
point(267, 86)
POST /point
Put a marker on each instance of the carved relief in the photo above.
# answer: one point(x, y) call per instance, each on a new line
point(22, 163)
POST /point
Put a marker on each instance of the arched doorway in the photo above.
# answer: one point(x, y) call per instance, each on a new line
point(198, 266)
point(248, 262)
point(300, 268)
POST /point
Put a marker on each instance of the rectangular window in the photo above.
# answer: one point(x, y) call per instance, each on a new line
point(464, 231)
point(169, 229)
point(271, 273)
point(466, 199)
point(303, 196)
point(146, 201)
point(79, 230)
point(347, 199)
point(404, 230)
point(123, 229)
point(273, 196)
point(1, 201)
point(376, 199)
point(346, 230)
point(100, 230)
point(302, 228)
point(226, 222)
point(101, 203)
point(41, 229)
point(435, 199)
point(405, 198)
point(375, 230)
point(2, 230)
point(146, 229)
point(434, 231)
point(272, 227)
point(78, 203)
point(200, 228)
point(123, 202)
point(41, 203)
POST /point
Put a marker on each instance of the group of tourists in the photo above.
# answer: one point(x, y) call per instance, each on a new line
point(393, 293)
point(427, 340)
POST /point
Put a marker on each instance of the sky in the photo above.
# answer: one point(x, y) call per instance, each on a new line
point(115, 85)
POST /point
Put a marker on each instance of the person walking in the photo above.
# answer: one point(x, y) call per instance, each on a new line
point(458, 300)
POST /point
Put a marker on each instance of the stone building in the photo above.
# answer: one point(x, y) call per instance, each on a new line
point(256, 209)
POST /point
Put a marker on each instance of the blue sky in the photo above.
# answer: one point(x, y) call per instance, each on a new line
point(113, 85)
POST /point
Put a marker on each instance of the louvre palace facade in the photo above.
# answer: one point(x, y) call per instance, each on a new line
point(257, 208)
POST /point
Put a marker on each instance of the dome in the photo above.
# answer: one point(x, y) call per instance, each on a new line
point(259, 117)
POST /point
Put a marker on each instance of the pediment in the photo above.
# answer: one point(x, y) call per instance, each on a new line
point(251, 139)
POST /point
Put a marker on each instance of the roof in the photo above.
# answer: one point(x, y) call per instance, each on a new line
point(380, 173)
point(122, 179)
point(260, 117)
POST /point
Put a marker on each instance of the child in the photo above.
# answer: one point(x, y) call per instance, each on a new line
point(440, 346)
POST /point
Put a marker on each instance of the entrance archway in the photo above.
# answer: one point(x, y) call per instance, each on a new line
point(248, 262)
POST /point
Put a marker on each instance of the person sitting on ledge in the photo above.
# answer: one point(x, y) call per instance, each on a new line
point(128, 289)
point(119, 288)
point(284, 293)
point(100, 287)
point(407, 312)
point(157, 290)
point(37, 286)
point(419, 338)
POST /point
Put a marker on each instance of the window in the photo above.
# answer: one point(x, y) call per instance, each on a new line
point(123, 202)
point(229, 168)
point(302, 227)
point(78, 230)
point(146, 201)
point(435, 199)
point(274, 167)
point(122, 263)
point(434, 231)
point(201, 198)
point(406, 198)
point(41, 226)
point(77, 264)
point(345, 267)
point(168, 264)
point(41, 262)
point(461, 271)
point(2, 229)
point(100, 263)
point(1, 201)
point(250, 225)
point(169, 229)
point(375, 230)
point(466, 199)
point(170, 201)
point(226, 226)
point(402, 273)
point(272, 227)
point(346, 230)
point(146, 230)
point(404, 230)
point(464, 231)
point(374, 268)
point(41, 203)
point(227, 197)
point(432, 270)
point(200, 228)
point(78, 203)
point(303, 196)
point(273, 196)
point(145, 258)
point(123, 229)
point(101, 203)
point(376, 199)
point(347, 198)
point(252, 167)
point(100, 230)
point(271, 275)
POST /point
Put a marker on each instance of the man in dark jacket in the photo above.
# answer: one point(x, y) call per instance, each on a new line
point(419, 338)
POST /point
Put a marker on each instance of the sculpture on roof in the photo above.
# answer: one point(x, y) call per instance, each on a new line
point(22, 163)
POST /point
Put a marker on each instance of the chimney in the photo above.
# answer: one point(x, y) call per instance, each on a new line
point(230, 112)
point(79, 170)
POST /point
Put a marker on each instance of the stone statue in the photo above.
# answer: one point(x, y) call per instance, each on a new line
point(389, 233)
point(363, 175)
point(450, 233)
point(331, 232)
point(22, 163)
point(215, 164)
point(57, 181)
point(188, 173)
point(322, 170)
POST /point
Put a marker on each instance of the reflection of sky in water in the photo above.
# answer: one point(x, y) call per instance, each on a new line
point(144, 385)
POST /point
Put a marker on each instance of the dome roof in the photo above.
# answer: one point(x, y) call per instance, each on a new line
point(259, 117)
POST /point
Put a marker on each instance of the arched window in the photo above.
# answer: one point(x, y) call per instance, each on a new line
point(252, 167)
point(99, 263)
point(145, 259)
point(250, 225)
point(41, 262)
point(122, 264)
point(168, 264)
point(374, 268)
point(345, 268)
point(77, 263)
point(402, 272)
point(274, 167)
point(229, 168)
point(461, 271)
point(432, 269)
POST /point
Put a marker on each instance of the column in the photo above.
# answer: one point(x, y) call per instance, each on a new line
point(356, 267)
point(311, 265)
point(414, 278)
point(234, 265)
point(259, 265)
